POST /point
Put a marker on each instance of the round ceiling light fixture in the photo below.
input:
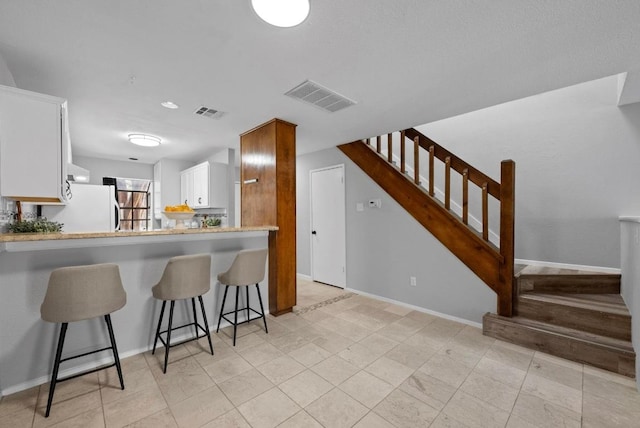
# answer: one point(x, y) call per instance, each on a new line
point(282, 13)
point(169, 105)
point(144, 140)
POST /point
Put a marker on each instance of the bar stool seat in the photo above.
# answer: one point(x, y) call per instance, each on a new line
point(247, 269)
point(79, 293)
point(184, 277)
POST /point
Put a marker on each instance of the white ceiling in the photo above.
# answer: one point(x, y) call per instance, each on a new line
point(405, 62)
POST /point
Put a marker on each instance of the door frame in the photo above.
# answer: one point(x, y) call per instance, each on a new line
point(344, 213)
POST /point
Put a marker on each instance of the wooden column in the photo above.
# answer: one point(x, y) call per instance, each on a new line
point(268, 186)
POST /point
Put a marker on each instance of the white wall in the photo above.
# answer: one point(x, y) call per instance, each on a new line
point(386, 246)
point(6, 78)
point(630, 264)
point(577, 157)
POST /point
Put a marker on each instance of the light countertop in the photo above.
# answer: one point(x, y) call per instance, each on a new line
point(45, 241)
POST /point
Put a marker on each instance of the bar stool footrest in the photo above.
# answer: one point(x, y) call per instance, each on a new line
point(224, 316)
point(184, 341)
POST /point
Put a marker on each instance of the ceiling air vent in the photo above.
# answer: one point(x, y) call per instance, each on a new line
point(320, 96)
point(209, 112)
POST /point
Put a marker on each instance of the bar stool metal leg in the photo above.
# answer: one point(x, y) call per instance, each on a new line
point(224, 299)
point(167, 345)
point(264, 318)
point(195, 318)
point(206, 324)
point(56, 366)
point(246, 292)
point(164, 303)
point(114, 349)
point(235, 322)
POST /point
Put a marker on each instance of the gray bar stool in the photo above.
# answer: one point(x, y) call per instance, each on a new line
point(184, 277)
point(247, 269)
point(78, 293)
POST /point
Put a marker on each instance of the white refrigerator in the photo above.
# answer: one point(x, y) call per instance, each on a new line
point(91, 208)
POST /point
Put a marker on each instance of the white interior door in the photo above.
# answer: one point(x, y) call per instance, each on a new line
point(328, 230)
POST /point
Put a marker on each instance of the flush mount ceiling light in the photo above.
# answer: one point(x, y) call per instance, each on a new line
point(282, 13)
point(144, 140)
point(170, 105)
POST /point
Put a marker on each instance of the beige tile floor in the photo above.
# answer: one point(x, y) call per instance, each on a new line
point(356, 362)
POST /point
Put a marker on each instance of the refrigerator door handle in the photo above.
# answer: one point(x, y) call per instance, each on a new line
point(117, 207)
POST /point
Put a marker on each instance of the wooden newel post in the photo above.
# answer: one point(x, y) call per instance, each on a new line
point(507, 237)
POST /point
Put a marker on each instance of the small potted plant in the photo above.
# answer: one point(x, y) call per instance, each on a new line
point(39, 225)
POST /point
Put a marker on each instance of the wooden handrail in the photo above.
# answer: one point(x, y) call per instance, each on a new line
point(501, 278)
point(475, 176)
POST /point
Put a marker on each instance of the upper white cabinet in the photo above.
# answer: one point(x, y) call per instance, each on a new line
point(33, 146)
point(205, 185)
point(194, 186)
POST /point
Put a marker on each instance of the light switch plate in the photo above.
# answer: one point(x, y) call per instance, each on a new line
point(359, 207)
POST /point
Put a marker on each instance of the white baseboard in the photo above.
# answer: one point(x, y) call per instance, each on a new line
point(568, 266)
point(416, 308)
point(103, 361)
point(303, 276)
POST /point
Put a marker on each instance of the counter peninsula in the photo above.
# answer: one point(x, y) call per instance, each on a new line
point(26, 261)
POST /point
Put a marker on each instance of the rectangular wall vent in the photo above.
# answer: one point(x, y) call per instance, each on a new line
point(209, 112)
point(313, 93)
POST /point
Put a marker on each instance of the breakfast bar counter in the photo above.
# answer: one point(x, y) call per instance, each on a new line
point(26, 261)
point(44, 241)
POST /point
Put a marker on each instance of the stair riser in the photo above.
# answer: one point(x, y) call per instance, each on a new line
point(593, 321)
point(583, 284)
point(617, 361)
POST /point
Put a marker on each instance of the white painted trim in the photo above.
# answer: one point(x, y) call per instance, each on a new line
point(416, 308)
point(303, 276)
point(344, 191)
point(568, 266)
point(102, 361)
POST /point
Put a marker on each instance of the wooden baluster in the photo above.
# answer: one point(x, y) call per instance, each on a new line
point(447, 182)
point(378, 144)
point(368, 141)
point(465, 196)
point(403, 166)
point(431, 159)
point(485, 211)
point(416, 160)
point(507, 236)
point(389, 148)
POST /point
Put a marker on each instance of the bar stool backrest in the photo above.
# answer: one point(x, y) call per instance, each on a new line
point(248, 268)
point(184, 277)
point(82, 292)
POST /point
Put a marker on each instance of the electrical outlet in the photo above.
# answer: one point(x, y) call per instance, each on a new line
point(412, 280)
point(359, 207)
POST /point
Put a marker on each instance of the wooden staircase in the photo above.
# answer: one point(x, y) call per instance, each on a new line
point(577, 316)
point(492, 264)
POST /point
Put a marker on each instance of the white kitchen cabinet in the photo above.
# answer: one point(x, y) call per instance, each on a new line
point(157, 191)
point(33, 146)
point(201, 185)
point(205, 185)
point(194, 186)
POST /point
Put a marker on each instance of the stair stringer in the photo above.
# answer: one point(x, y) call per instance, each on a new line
point(482, 257)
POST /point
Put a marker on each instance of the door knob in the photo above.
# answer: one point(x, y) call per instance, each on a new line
point(313, 232)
